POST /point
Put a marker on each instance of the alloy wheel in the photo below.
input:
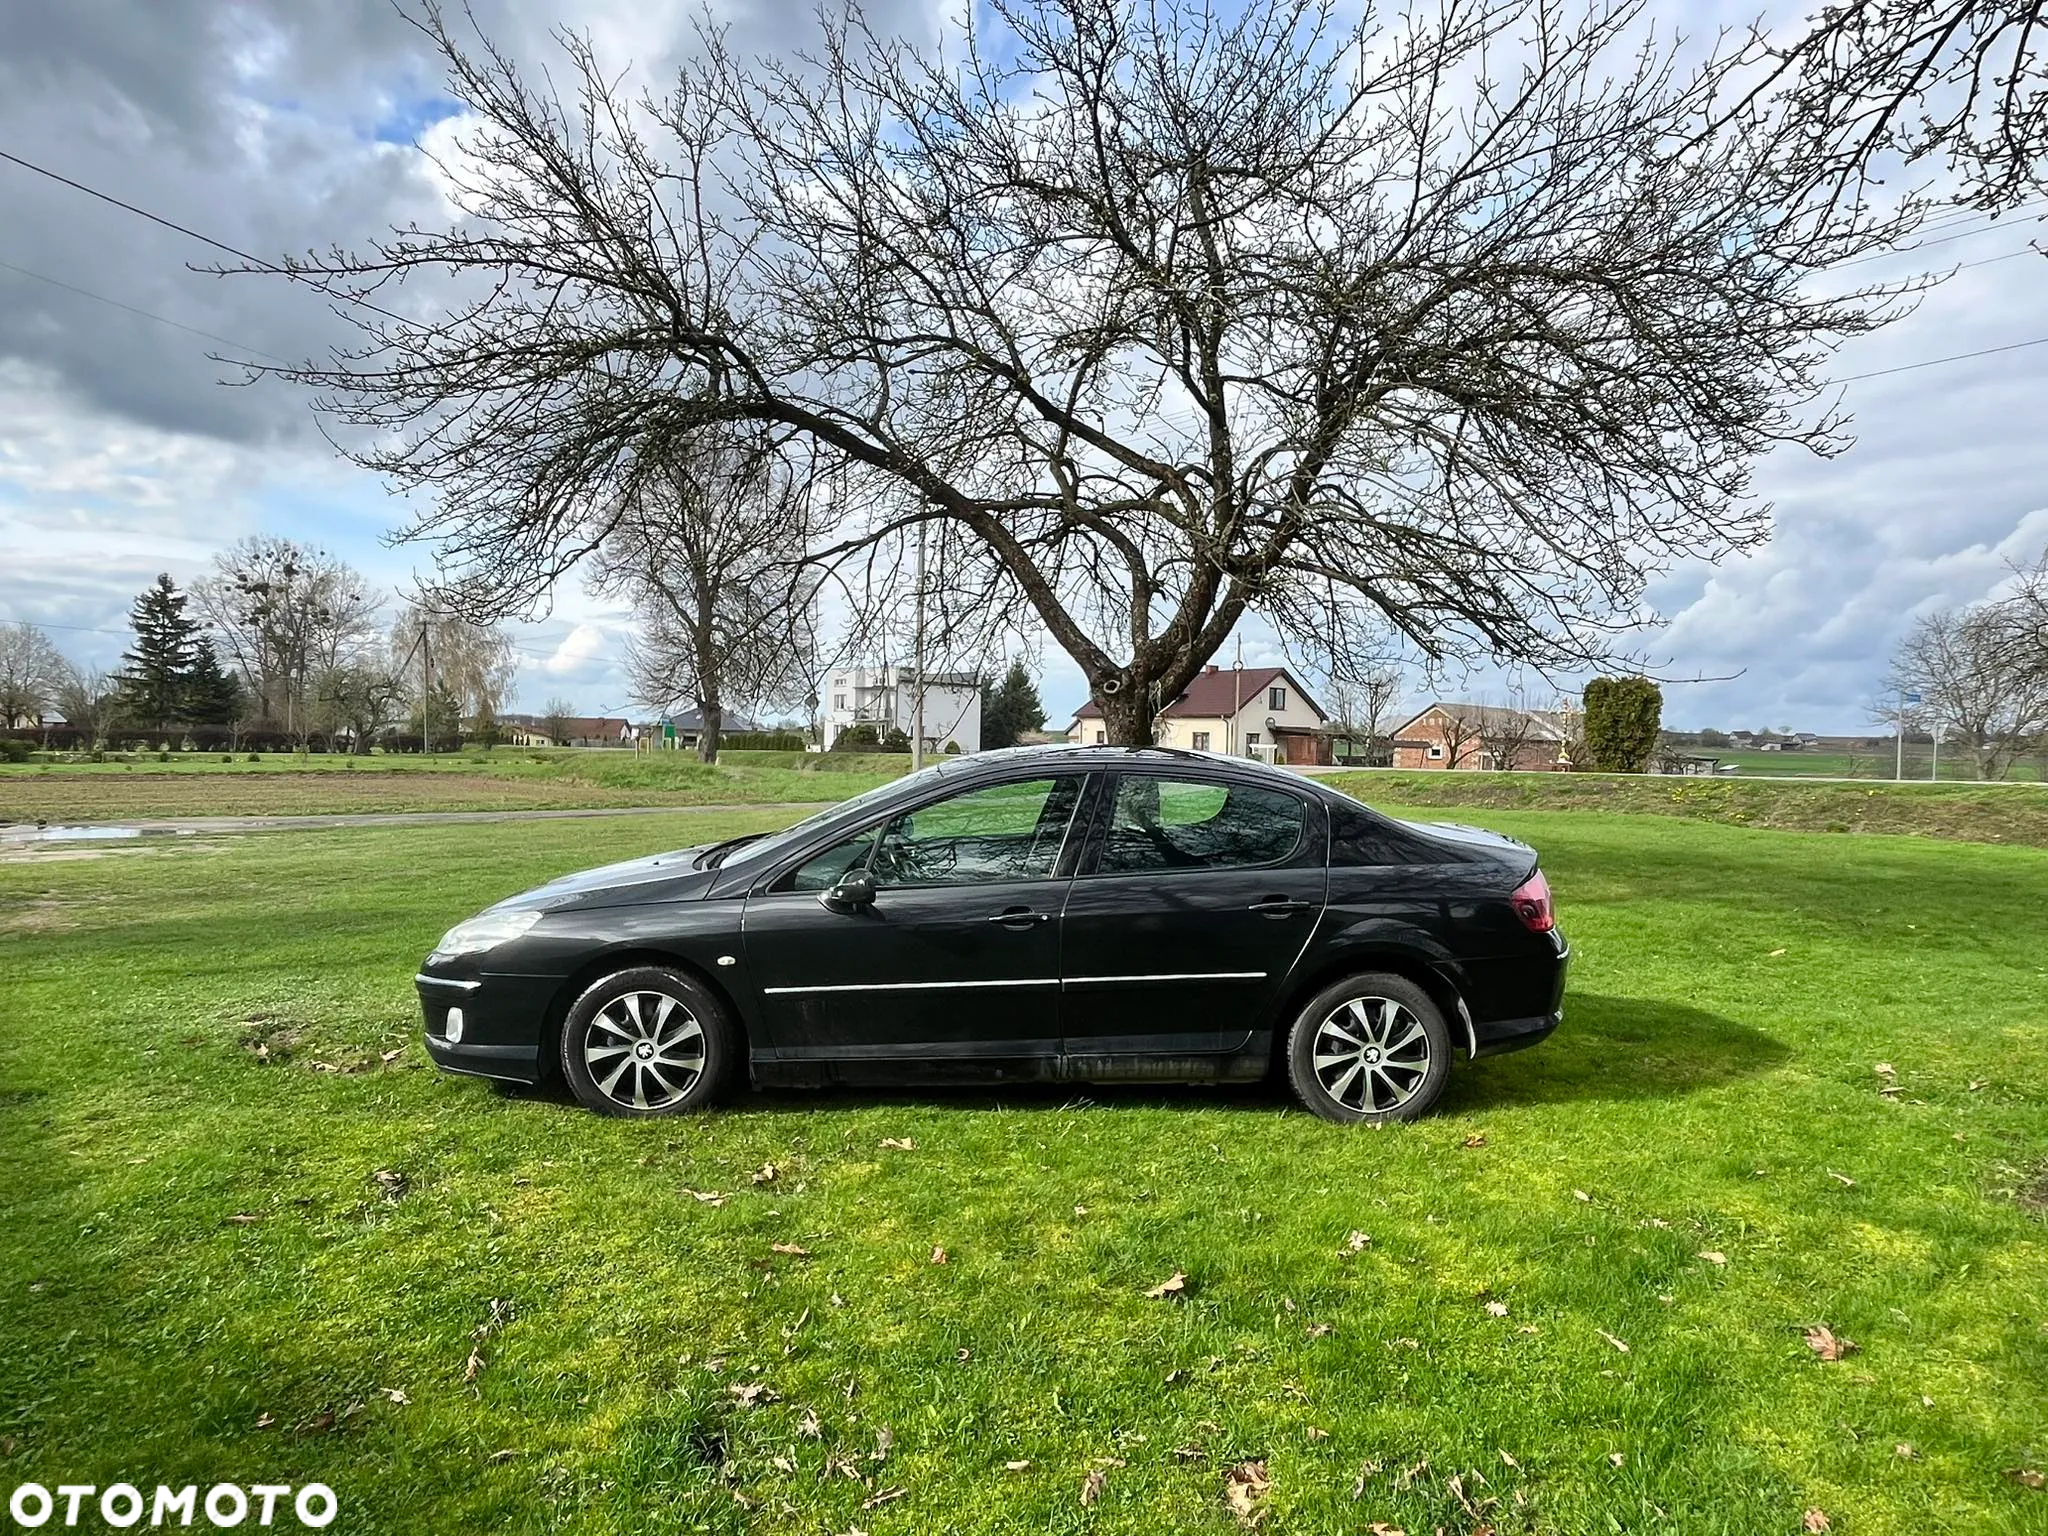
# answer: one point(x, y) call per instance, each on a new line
point(645, 1050)
point(1371, 1054)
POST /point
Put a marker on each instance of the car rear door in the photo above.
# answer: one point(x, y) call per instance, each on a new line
point(1194, 899)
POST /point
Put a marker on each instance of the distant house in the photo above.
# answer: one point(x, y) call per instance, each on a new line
point(1454, 735)
point(888, 698)
point(1246, 712)
point(684, 730)
point(569, 731)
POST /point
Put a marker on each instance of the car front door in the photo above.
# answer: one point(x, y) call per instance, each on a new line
point(1193, 901)
point(956, 957)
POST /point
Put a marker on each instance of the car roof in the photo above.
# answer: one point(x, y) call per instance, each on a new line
point(1107, 757)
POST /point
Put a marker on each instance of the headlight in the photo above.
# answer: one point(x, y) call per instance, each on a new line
point(486, 932)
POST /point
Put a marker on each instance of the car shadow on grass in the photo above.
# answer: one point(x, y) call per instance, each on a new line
point(1608, 1048)
point(1620, 1048)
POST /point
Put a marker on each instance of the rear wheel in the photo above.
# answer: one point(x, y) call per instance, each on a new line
point(1370, 1048)
point(647, 1042)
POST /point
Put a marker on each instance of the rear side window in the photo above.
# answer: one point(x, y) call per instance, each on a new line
point(1359, 839)
point(1165, 824)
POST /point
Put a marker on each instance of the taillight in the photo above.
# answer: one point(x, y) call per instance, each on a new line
point(1531, 901)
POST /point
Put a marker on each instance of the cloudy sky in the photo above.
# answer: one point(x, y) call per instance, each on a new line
point(274, 126)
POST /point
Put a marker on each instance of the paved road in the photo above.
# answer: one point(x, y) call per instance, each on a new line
point(174, 826)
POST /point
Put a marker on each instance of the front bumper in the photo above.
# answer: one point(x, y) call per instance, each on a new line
point(503, 1023)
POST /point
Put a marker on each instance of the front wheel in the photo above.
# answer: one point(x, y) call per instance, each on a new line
point(645, 1042)
point(1370, 1048)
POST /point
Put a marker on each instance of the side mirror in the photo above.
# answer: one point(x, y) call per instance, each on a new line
point(855, 890)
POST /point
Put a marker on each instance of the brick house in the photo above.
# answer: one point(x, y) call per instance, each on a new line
point(1246, 712)
point(1475, 737)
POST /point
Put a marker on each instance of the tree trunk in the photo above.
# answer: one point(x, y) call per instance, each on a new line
point(1127, 716)
point(713, 714)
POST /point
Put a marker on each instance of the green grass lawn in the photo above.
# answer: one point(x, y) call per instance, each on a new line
point(196, 784)
point(1800, 1083)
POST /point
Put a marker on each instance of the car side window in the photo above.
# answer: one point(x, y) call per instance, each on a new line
point(985, 836)
point(1166, 824)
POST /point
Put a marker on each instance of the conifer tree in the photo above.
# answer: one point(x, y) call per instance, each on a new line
point(156, 678)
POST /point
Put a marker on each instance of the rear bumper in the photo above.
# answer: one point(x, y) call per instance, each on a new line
point(502, 1020)
point(1505, 1035)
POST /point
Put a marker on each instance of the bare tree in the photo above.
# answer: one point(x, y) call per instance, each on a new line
point(1173, 318)
point(1963, 83)
point(1362, 706)
point(1504, 732)
point(31, 670)
point(556, 718)
point(85, 697)
point(287, 614)
point(1956, 660)
point(1458, 727)
point(709, 549)
point(360, 698)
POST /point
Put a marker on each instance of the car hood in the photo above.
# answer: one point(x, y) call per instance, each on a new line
point(659, 877)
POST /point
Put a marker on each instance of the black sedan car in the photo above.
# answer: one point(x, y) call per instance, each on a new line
point(1044, 914)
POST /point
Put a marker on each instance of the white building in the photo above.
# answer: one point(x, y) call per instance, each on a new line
point(888, 696)
point(1257, 712)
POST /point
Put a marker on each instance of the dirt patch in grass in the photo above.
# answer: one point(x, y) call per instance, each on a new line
point(2033, 1193)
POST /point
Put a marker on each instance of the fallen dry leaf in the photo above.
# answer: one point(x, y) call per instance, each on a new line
point(1244, 1485)
point(1190, 1453)
point(390, 1056)
point(2028, 1477)
point(1080, 1210)
point(1496, 1309)
point(708, 1196)
point(264, 1421)
point(1713, 1257)
point(809, 1427)
point(1381, 1528)
point(749, 1393)
point(767, 1173)
point(1016, 1466)
point(1091, 1486)
point(1905, 1452)
point(1171, 1288)
point(396, 1394)
point(319, 1423)
point(1610, 1338)
point(475, 1366)
point(243, 1218)
point(1320, 1330)
point(393, 1183)
point(792, 1249)
point(1580, 1194)
point(1357, 1242)
point(1816, 1521)
point(1885, 1069)
point(1509, 1460)
point(1317, 1434)
point(1476, 1139)
point(1823, 1342)
point(1616, 1457)
point(963, 1355)
point(938, 1255)
point(1775, 953)
point(886, 1496)
point(899, 1144)
point(504, 1455)
point(1842, 1178)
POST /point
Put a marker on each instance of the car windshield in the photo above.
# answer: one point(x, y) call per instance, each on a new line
point(766, 846)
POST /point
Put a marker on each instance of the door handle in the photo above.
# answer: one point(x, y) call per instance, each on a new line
point(1019, 917)
point(1279, 906)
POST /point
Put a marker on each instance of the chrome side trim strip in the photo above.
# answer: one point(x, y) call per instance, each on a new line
point(445, 981)
point(1075, 981)
point(915, 986)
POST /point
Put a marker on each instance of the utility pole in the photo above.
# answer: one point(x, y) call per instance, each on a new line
point(1237, 694)
point(426, 692)
point(917, 663)
point(1934, 757)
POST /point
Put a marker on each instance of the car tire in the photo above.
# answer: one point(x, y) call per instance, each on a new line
point(1370, 1049)
point(647, 1042)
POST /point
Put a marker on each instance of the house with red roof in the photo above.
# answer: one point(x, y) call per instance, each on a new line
point(1258, 712)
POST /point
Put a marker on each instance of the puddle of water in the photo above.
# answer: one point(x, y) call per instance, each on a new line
point(80, 834)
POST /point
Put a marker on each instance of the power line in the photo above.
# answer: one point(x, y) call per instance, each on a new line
point(1931, 362)
point(146, 314)
point(204, 239)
